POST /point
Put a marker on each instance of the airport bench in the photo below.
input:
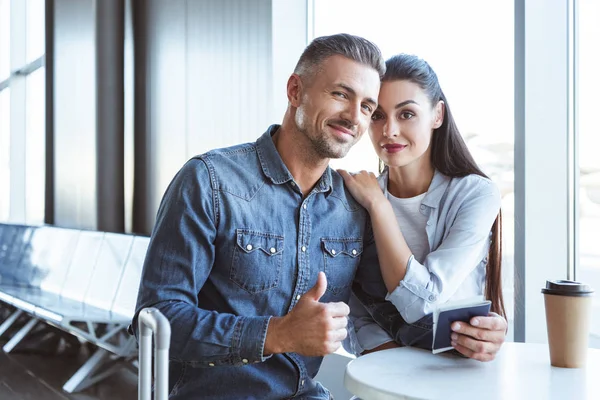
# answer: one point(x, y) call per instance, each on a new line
point(82, 282)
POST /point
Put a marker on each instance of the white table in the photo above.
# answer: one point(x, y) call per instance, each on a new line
point(520, 371)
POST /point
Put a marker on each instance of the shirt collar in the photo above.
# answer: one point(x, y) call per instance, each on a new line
point(270, 160)
point(273, 166)
point(324, 184)
point(436, 190)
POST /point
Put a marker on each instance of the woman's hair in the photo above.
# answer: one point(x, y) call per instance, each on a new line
point(450, 156)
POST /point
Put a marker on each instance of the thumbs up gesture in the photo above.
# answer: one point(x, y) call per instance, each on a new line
point(311, 328)
point(318, 290)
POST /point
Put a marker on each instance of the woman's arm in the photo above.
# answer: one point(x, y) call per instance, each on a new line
point(392, 250)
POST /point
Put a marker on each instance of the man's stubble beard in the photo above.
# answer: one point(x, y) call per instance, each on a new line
point(322, 144)
point(324, 148)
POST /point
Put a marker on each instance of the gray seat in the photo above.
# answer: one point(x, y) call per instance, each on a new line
point(126, 297)
point(14, 240)
point(109, 269)
point(41, 268)
point(84, 282)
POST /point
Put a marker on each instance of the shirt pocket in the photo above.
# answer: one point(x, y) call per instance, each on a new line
point(257, 260)
point(341, 258)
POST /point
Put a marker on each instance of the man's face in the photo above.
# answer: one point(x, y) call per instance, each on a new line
point(335, 105)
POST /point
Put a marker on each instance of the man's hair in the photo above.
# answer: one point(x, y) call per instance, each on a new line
point(352, 47)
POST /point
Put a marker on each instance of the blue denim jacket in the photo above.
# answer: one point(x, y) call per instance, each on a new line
point(235, 242)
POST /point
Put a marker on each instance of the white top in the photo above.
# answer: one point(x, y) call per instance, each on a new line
point(520, 371)
point(412, 223)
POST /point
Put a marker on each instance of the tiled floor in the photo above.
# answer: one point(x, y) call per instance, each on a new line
point(39, 367)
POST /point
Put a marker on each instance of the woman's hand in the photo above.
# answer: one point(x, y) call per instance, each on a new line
point(364, 188)
point(482, 338)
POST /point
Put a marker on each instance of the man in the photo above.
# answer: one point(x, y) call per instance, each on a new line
point(256, 246)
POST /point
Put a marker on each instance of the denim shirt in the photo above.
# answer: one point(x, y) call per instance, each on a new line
point(236, 242)
point(460, 213)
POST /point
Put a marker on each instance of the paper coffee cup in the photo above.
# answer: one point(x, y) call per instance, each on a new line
point(568, 314)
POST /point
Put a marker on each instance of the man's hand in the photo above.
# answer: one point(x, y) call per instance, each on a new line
point(311, 328)
point(481, 339)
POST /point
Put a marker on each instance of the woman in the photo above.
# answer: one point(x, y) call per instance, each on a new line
point(435, 215)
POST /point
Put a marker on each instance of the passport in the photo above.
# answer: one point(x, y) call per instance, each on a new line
point(450, 312)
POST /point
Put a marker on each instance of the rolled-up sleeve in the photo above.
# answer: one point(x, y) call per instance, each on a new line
point(433, 282)
point(365, 334)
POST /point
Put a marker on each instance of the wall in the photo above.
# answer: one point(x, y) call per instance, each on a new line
point(202, 75)
point(74, 114)
point(206, 81)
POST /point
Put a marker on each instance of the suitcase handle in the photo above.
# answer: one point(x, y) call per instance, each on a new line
point(150, 321)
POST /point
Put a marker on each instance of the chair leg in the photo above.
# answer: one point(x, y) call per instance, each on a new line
point(10, 321)
point(91, 373)
point(16, 339)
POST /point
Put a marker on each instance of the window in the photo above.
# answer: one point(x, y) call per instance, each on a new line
point(4, 40)
point(35, 153)
point(35, 29)
point(4, 108)
point(22, 111)
point(589, 163)
point(4, 153)
point(475, 72)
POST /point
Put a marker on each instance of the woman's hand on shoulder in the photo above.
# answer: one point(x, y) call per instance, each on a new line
point(364, 188)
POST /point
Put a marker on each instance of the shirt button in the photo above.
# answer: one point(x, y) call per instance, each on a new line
point(304, 206)
point(298, 297)
point(302, 383)
point(211, 364)
point(249, 247)
point(354, 252)
point(303, 248)
point(432, 297)
point(272, 250)
point(245, 361)
point(333, 252)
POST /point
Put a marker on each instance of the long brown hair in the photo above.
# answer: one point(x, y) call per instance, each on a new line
point(450, 156)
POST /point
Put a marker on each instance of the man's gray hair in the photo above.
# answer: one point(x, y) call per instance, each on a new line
point(352, 47)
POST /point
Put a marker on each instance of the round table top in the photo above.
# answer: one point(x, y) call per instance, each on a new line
point(520, 371)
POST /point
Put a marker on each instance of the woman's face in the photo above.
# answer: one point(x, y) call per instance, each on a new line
point(403, 123)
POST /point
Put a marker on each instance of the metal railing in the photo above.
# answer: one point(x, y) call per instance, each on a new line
point(151, 321)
